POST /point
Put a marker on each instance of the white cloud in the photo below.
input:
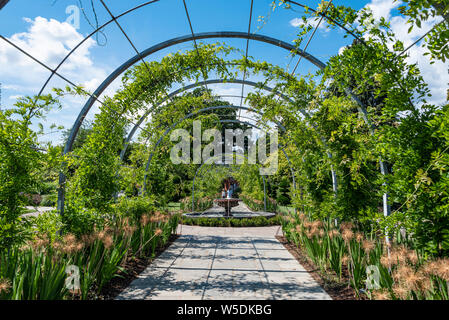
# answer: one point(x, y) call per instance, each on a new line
point(15, 97)
point(436, 75)
point(382, 8)
point(49, 41)
point(340, 51)
point(296, 22)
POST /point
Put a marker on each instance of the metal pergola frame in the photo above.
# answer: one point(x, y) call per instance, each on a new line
point(221, 121)
point(3, 3)
point(193, 37)
point(240, 155)
point(190, 115)
point(263, 177)
point(244, 82)
point(188, 87)
point(166, 44)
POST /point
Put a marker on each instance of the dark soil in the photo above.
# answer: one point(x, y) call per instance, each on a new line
point(337, 290)
point(133, 266)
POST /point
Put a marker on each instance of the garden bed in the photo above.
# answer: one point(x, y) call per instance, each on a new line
point(133, 266)
point(337, 291)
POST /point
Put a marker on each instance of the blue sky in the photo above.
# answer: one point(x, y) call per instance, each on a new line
point(40, 27)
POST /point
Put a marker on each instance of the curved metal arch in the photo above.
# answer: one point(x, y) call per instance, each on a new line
point(195, 85)
point(163, 45)
point(238, 81)
point(263, 177)
point(362, 108)
point(202, 166)
point(90, 36)
point(207, 35)
point(4, 2)
point(221, 121)
point(187, 117)
point(282, 148)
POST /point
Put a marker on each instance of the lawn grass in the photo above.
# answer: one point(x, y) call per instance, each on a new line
point(285, 209)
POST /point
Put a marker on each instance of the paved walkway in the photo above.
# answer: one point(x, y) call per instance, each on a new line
point(38, 211)
point(225, 263)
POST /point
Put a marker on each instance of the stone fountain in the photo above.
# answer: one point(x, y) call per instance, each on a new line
point(228, 204)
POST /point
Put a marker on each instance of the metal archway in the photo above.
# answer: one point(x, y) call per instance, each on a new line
point(282, 148)
point(166, 44)
point(246, 82)
point(264, 184)
point(138, 57)
point(187, 117)
point(195, 85)
point(194, 37)
point(221, 121)
point(124, 13)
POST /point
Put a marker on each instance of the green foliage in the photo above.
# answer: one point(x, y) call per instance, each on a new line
point(38, 271)
point(259, 205)
point(19, 158)
point(282, 193)
point(403, 272)
point(79, 220)
point(420, 11)
point(136, 207)
point(49, 200)
point(96, 162)
point(47, 224)
point(200, 204)
point(367, 106)
point(393, 122)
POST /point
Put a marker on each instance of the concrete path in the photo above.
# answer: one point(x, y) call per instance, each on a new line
point(225, 263)
point(38, 211)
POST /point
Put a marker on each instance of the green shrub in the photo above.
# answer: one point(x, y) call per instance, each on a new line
point(201, 204)
point(48, 187)
point(81, 221)
point(38, 271)
point(135, 207)
point(47, 224)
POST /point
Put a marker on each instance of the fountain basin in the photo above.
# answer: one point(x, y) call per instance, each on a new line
point(227, 203)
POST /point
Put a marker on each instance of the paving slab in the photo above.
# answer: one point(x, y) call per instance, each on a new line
point(209, 263)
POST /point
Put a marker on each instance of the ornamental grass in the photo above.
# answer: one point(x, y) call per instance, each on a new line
point(39, 268)
point(404, 273)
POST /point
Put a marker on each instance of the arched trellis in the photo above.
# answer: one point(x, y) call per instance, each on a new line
point(115, 19)
point(200, 168)
point(138, 57)
point(263, 177)
point(192, 114)
point(192, 86)
point(166, 44)
point(129, 11)
point(238, 81)
point(194, 37)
